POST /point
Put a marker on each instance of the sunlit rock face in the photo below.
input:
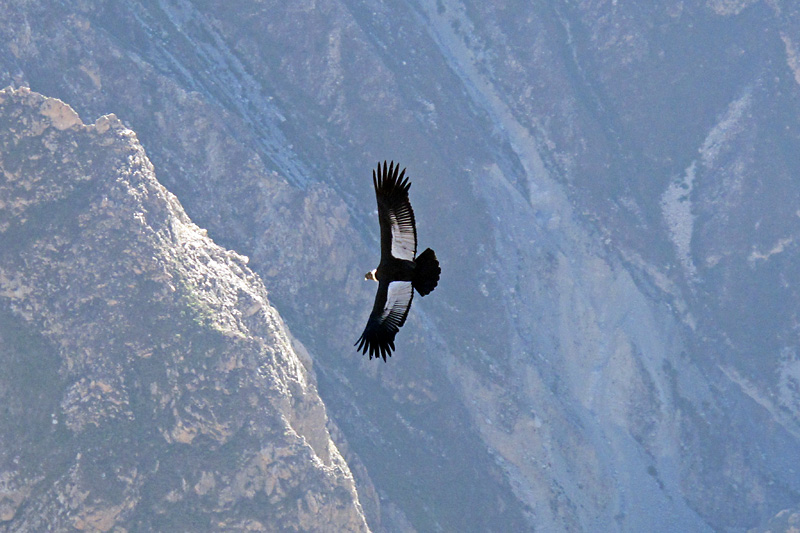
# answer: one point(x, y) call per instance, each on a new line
point(610, 187)
point(148, 384)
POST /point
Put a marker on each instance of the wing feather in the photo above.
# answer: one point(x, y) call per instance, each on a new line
point(398, 229)
point(392, 302)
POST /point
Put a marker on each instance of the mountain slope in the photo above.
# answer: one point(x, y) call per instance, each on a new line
point(147, 382)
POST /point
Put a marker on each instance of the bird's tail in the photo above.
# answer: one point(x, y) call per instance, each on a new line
point(426, 272)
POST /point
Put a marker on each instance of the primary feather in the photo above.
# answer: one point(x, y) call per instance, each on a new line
point(389, 313)
point(396, 217)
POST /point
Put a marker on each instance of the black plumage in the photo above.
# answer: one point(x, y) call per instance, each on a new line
point(400, 271)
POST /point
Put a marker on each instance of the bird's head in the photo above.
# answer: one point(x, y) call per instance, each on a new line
point(371, 275)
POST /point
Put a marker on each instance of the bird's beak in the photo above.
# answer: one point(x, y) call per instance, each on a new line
point(370, 275)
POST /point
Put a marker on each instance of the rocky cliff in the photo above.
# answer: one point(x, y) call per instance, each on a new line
point(147, 382)
point(611, 187)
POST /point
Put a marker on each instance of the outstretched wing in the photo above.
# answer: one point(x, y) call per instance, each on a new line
point(398, 231)
point(389, 313)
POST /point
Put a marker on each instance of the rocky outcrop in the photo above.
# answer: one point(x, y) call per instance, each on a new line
point(147, 382)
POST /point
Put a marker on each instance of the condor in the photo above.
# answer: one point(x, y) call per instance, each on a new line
point(400, 272)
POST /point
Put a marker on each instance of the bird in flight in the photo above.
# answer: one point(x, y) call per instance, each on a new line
point(400, 270)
